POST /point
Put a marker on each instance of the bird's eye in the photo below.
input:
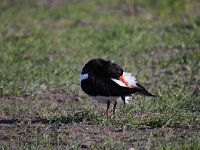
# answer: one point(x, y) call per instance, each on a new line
point(119, 71)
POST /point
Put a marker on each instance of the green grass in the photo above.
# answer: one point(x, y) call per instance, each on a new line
point(44, 45)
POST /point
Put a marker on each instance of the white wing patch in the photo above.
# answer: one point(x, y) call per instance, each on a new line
point(130, 78)
point(119, 82)
point(83, 77)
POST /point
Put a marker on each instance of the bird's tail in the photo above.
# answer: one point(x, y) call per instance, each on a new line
point(143, 91)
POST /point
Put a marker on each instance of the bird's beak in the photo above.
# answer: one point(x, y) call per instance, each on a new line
point(121, 78)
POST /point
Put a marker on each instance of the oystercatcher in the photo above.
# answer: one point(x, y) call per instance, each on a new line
point(107, 82)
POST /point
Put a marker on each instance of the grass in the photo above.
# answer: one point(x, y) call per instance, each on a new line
point(44, 45)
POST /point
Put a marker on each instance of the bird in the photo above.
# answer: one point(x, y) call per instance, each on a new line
point(106, 82)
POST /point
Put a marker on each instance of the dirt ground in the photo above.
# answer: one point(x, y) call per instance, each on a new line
point(64, 133)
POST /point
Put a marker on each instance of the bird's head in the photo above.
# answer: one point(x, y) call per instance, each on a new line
point(115, 71)
point(103, 68)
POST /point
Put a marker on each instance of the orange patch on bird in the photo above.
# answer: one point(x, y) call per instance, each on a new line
point(121, 78)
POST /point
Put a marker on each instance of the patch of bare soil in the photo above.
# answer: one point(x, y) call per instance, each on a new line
point(16, 109)
point(34, 129)
point(87, 136)
point(8, 99)
point(81, 134)
point(60, 95)
point(49, 95)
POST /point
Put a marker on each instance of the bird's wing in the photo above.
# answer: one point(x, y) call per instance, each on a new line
point(106, 87)
point(129, 80)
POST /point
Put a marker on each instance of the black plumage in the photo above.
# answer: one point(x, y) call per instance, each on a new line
point(103, 78)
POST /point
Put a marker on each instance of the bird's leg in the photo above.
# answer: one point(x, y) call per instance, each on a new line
point(123, 98)
point(114, 107)
point(107, 110)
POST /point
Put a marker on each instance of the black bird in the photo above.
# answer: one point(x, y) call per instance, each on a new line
point(107, 82)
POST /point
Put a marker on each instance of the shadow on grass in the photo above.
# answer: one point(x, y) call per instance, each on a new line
point(76, 117)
